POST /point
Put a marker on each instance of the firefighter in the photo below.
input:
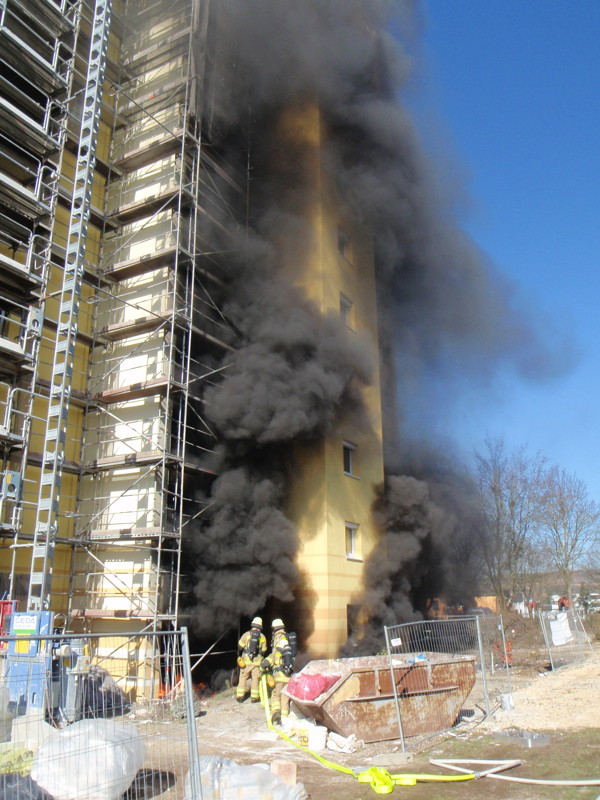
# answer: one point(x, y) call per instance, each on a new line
point(280, 662)
point(252, 648)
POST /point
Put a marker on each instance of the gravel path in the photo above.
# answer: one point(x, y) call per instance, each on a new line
point(566, 699)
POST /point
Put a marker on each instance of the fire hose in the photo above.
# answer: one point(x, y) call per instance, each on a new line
point(454, 764)
point(384, 782)
point(381, 781)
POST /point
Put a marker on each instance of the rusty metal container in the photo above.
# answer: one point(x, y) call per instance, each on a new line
point(431, 690)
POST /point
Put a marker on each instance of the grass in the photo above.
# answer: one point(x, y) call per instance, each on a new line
point(570, 755)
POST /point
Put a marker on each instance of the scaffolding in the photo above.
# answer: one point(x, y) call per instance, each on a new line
point(114, 325)
point(37, 46)
point(69, 301)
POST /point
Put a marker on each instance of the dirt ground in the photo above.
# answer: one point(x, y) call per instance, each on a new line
point(566, 699)
point(564, 704)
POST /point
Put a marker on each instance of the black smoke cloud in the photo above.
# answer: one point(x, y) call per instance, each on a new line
point(450, 312)
point(271, 53)
point(443, 308)
point(429, 522)
point(294, 367)
point(247, 551)
point(293, 372)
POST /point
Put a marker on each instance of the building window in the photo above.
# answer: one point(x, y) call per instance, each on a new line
point(343, 241)
point(352, 548)
point(349, 451)
point(346, 306)
point(352, 619)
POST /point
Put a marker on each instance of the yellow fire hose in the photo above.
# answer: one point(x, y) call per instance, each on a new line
point(381, 781)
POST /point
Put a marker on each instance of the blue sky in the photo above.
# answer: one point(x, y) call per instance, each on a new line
point(506, 96)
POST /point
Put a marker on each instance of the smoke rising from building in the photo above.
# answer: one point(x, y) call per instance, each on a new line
point(293, 366)
point(429, 521)
point(444, 307)
point(247, 550)
point(290, 375)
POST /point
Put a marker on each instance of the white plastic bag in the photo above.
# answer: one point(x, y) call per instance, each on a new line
point(222, 779)
point(96, 759)
point(341, 744)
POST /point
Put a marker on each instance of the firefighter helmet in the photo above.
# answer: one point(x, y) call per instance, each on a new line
point(257, 622)
point(277, 625)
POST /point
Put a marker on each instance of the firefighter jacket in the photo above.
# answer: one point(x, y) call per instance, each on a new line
point(276, 657)
point(244, 645)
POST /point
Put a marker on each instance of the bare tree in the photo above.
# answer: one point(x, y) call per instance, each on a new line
point(592, 566)
point(511, 492)
point(570, 529)
point(533, 577)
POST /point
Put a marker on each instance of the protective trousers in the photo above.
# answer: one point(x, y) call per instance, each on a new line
point(250, 672)
point(280, 702)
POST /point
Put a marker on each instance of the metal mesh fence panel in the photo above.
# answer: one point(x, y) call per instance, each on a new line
point(566, 639)
point(446, 671)
point(98, 717)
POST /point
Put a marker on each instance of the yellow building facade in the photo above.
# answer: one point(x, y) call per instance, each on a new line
point(332, 488)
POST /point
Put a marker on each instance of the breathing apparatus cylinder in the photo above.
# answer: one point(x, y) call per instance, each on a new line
point(253, 644)
point(293, 642)
point(287, 658)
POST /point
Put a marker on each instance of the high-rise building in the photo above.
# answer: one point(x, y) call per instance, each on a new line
point(124, 195)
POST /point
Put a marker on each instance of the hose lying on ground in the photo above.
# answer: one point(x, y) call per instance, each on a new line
point(383, 782)
point(454, 764)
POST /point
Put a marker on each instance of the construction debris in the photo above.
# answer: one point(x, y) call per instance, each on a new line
point(221, 778)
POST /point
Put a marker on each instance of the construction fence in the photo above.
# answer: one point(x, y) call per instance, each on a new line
point(565, 636)
point(446, 671)
point(96, 716)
